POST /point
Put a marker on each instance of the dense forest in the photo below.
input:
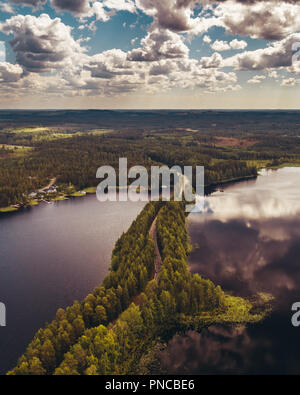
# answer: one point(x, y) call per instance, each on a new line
point(30, 157)
point(121, 321)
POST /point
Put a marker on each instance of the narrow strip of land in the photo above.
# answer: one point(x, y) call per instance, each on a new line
point(157, 259)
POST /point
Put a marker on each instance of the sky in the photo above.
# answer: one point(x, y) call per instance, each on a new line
point(148, 54)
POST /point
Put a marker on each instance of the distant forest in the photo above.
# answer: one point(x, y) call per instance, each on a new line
point(71, 145)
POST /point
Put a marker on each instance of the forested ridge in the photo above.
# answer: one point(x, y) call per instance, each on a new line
point(121, 321)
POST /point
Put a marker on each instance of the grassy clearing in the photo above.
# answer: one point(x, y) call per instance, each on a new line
point(16, 150)
point(9, 209)
point(259, 164)
point(286, 164)
point(59, 198)
point(31, 130)
point(33, 203)
point(100, 132)
point(56, 136)
point(78, 194)
point(39, 134)
point(264, 164)
point(237, 311)
point(265, 297)
point(90, 190)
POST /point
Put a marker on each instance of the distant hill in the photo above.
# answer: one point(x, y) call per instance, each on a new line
point(203, 120)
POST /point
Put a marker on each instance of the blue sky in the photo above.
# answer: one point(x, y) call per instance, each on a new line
point(149, 54)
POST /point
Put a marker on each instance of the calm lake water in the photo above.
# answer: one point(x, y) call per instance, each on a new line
point(248, 241)
point(51, 255)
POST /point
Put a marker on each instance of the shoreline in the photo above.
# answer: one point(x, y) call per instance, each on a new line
point(210, 188)
point(60, 198)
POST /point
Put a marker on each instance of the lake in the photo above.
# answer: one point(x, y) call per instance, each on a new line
point(51, 255)
point(248, 241)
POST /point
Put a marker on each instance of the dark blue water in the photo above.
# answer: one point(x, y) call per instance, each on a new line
point(51, 255)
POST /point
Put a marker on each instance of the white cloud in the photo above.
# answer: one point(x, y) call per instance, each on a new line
point(238, 44)
point(103, 10)
point(268, 20)
point(220, 46)
point(120, 5)
point(6, 8)
point(278, 55)
point(206, 39)
point(168, 14)
point(42, 44)
point(272, 74)
point(257, 79)
point(77, 7)
point(288, 82)
point(32, 3)
point(235, 44)
point(10, 72)
point(159, 44)
point(214, 61)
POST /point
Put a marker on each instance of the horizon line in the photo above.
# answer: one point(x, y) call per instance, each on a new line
point(149, 109)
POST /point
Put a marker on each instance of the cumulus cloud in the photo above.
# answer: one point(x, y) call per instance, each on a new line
point(103, 10)
point(169, 14)
point(78, 7)
point(257, 79)
point(271, 20)
point(41, 44)
point(6, 8)
point(120, 5)
point(220, 45)
point(268, 20)
point(32, 3)
point(110, 73)
point(109, 64)
point(163, 68)
point(288, 82)
point(159, 44)
point(207, 39)
point(214, 61)
point(272, 74)
point(238, 44)
point(10, 72)
point(279, 54)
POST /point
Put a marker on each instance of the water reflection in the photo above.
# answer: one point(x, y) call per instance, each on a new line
point(248, 241)
point(274, 194)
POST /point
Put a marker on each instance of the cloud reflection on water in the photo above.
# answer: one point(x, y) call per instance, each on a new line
point(248, 241)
